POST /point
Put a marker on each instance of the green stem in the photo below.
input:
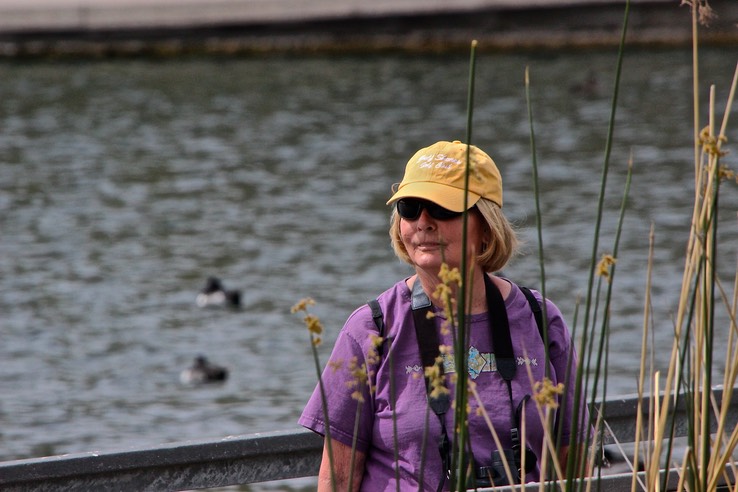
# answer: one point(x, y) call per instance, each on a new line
point(393, 402)
point(324, 401)
point(595, 243)
point(682, 377)
point(353, 446)
point(460, 437)
point(539, 221)
point(421, 474)
point(709, 299)
point(605, 332)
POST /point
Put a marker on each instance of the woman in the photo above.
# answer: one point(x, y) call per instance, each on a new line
point(397, 437)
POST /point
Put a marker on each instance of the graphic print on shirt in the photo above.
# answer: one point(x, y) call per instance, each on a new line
point(478, 363)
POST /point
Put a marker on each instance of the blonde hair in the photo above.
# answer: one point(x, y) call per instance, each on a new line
point(499, 246)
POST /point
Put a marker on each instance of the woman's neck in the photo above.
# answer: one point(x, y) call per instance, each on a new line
point(430, 283)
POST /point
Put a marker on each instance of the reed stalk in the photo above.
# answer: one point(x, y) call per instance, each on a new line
point(315, 330)
point(577, 462)
point(493, 433)
point(609, 275)
point(689, 374)
point(393, 403)
point(539, 216)
point(460, 458)
point(644, 351)
point(575, 466)
point(692, 365)
point(354, 440)
point(328, 442)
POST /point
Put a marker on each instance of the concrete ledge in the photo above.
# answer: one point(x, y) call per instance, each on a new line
point(178, 466)
point(252, 458)
point(544, 25)
point(127, 14)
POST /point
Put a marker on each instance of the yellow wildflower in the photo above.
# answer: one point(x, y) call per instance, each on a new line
point(434, 374)
point(313, 324)
point(376, 340)
point(442, 292)
point(710, 144)
point(726, 173)
point(302, 305)
point(445, 293)
point(449, 276)
point(544, 392)
point(360, 378)
point(372, 356)
point(605, 265)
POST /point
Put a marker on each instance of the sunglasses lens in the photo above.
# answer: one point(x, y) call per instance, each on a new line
point(440, 213)
point(409, 209)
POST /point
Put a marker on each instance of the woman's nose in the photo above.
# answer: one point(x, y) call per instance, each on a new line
point(425, 221)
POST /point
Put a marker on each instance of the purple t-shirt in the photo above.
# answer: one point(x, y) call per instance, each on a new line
point(375, 435)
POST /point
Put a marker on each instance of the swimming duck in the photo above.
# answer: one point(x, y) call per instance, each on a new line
point(202, 371)
point(214, 294)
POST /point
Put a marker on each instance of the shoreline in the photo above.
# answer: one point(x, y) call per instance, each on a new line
point(545, 25)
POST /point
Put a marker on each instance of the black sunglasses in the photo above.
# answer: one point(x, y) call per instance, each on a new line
point(410, 209)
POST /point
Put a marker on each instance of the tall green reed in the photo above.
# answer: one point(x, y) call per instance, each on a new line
point(576, 462)
point(690, 370)
point(459, 460)
point(315, 331)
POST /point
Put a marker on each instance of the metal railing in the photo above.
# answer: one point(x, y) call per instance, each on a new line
point(236, 460)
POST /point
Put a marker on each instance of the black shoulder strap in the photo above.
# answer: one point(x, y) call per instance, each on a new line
point(506, 365)
point(427, 334)
point(425, 328)
point(377, 315)
point(378, 318)
point(535, 306)
point(421, 302)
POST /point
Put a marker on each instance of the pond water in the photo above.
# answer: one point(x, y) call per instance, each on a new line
point(125, 184)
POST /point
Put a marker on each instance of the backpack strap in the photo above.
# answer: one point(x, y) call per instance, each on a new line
point(425, 328)
point(426, 333)
point(535, 306)
point(500, 328)
point(427, 336)
point(377, 315)
point(378, 318)
point(421, 301)
point(428, 344)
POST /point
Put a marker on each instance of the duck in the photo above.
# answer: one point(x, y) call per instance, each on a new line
point(214, 294)
point(203, 371)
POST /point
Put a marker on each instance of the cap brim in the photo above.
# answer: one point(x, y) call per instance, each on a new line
point(446, 196)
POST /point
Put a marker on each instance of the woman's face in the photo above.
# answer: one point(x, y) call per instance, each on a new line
point(429, 242)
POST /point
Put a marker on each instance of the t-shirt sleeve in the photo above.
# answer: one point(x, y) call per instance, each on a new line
point(342, 399)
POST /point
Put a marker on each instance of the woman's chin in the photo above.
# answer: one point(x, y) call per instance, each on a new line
point(428, 263)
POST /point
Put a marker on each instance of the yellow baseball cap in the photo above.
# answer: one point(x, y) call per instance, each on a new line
point(436, 174)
